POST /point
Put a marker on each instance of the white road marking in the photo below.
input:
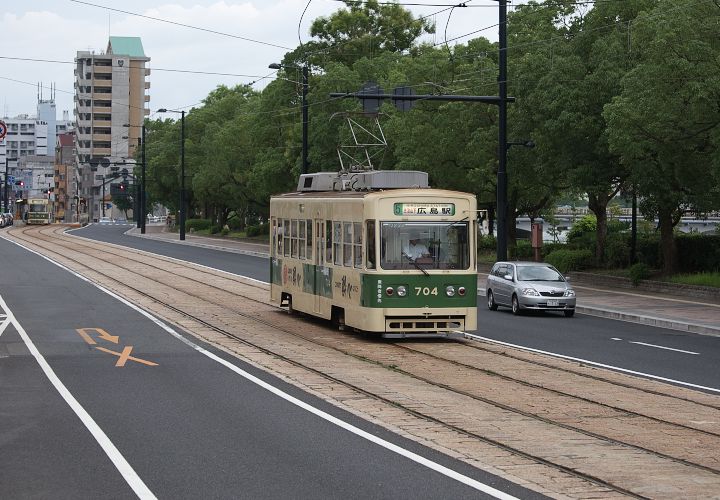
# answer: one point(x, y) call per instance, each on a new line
point(122, 465)
point(667, 348)
point(468, 481)
point(4, 324)
point(601, 365)
point(615, 338)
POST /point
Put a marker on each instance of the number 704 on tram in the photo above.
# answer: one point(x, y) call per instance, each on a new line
point(397, 262)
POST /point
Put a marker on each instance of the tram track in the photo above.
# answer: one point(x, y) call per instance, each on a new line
point(416, 361)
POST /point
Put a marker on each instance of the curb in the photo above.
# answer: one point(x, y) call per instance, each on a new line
point(648, 320)
point(201, 245)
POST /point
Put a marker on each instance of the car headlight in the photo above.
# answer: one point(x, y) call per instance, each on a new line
point(569, 293)
point(530, 291)
point(402, 291)
point(450, 291)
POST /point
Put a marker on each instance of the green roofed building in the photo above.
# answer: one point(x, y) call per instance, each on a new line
point(111, 92)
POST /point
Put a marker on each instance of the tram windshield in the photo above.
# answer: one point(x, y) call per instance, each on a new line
point(435, 245)
point(37, 207)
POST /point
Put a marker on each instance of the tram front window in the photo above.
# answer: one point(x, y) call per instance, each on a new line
point(436, 245)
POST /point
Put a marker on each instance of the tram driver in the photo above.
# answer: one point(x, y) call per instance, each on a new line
point(417, 251)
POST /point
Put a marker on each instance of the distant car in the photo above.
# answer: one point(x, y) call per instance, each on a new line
point(105, 220)
point(154, 218)
point(9, 219)
point(529, 286)
point(3, 221)
point(121, 220)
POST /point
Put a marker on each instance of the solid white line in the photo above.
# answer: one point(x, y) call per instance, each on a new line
point(4, 324)
point(122, 465)
point(468, 481)
point(667, 348)
point(562, 356)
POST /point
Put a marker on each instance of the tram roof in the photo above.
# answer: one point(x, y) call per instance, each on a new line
point(368, 194)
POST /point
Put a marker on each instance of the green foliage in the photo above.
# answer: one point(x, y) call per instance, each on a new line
point(570, 260)
point(617, 251)
point(587, 225)
point(258, 230)
point(698, 279)
point(197, 224)
point(638, 272)
point(487, 242)
point(698, 252)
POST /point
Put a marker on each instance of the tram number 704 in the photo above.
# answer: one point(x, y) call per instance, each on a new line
point(419, 290)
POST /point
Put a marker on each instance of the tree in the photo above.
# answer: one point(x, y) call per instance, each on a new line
point(664, 124)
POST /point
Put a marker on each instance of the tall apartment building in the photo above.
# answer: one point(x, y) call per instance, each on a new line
point(110, 107)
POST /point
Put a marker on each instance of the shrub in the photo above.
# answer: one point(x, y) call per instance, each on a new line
point(587, 225)
point(617, 251)
point(487, 242)
point(698, 252)
point(225, 231)
point(258, 230)
point(522, 251)
point(570, 260)
point(197, 224)
point(637, 272)
point(215, 229)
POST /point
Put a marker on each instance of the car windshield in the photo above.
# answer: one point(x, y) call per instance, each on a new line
point(538, 273)
point(435, 245)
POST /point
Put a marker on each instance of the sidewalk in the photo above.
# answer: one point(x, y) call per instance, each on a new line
point(663, 309)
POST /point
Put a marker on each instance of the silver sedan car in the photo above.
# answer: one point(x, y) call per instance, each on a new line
point(529, 285)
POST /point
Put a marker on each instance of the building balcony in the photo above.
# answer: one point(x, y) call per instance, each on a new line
point(147, 71)
point(101, 109)
point(147, 85)
point(101, 137)
point(147, 98)
point(101, 123)
point(102, 69)
point(101, 96)
point(100, 151)
point(106, 84)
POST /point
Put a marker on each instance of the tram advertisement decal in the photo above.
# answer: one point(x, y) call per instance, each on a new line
point(424, 209)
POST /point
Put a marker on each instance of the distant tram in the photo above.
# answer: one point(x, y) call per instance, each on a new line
point(341, 249)
point(38, 211)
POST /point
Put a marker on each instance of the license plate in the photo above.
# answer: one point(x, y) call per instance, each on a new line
point(553, 303)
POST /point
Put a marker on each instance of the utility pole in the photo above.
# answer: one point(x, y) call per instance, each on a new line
point(502, 205)
point(142, 189)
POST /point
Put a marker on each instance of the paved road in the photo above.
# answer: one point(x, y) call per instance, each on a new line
point(634, 344)
point(100, 401)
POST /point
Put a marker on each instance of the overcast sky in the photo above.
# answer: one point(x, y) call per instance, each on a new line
point(57, 29)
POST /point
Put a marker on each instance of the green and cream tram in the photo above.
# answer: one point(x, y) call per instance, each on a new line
point(343, 251)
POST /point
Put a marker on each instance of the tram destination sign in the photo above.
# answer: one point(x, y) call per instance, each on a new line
point(439, 209)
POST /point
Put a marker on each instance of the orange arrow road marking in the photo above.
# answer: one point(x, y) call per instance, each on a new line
point(125, 355)
point(85, 334)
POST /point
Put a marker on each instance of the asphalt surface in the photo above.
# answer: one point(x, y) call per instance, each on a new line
point(186, 424)
point(673, 338)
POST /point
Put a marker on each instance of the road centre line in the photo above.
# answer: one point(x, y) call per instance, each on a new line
point(122, 465)
point(466, 480)
point(593, 363)
point(662, 347)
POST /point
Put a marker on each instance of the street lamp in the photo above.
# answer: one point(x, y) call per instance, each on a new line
point(304, 69)
point(5, 190)
point(182, 167)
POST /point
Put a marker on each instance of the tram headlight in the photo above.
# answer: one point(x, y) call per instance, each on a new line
point(402, 291)
point(450, 291)
point(389, 290)
point(461, 291)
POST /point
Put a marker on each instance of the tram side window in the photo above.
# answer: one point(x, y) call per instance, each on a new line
point(328, 241)
point(370, 248)
point(274, 235)
point(286, 238)
point(337, 243)
point(309, 239)
point(301, 239)
point(347, 244)
point(294, 238)
point(357, 244)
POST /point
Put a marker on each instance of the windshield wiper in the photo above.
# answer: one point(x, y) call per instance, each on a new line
point(416, 264)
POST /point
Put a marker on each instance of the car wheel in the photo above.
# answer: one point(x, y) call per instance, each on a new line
point(491, 301)
point(515, 305)
point(569, 313)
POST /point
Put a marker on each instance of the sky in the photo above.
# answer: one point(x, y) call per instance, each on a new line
point(262, 31)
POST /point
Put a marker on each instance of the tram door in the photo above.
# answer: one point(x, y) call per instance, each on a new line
point(318, 261)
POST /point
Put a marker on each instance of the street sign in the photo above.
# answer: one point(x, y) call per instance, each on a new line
point(3, 129)
point(11, 179)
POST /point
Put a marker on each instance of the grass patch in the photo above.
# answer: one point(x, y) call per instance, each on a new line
point(700, 279)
